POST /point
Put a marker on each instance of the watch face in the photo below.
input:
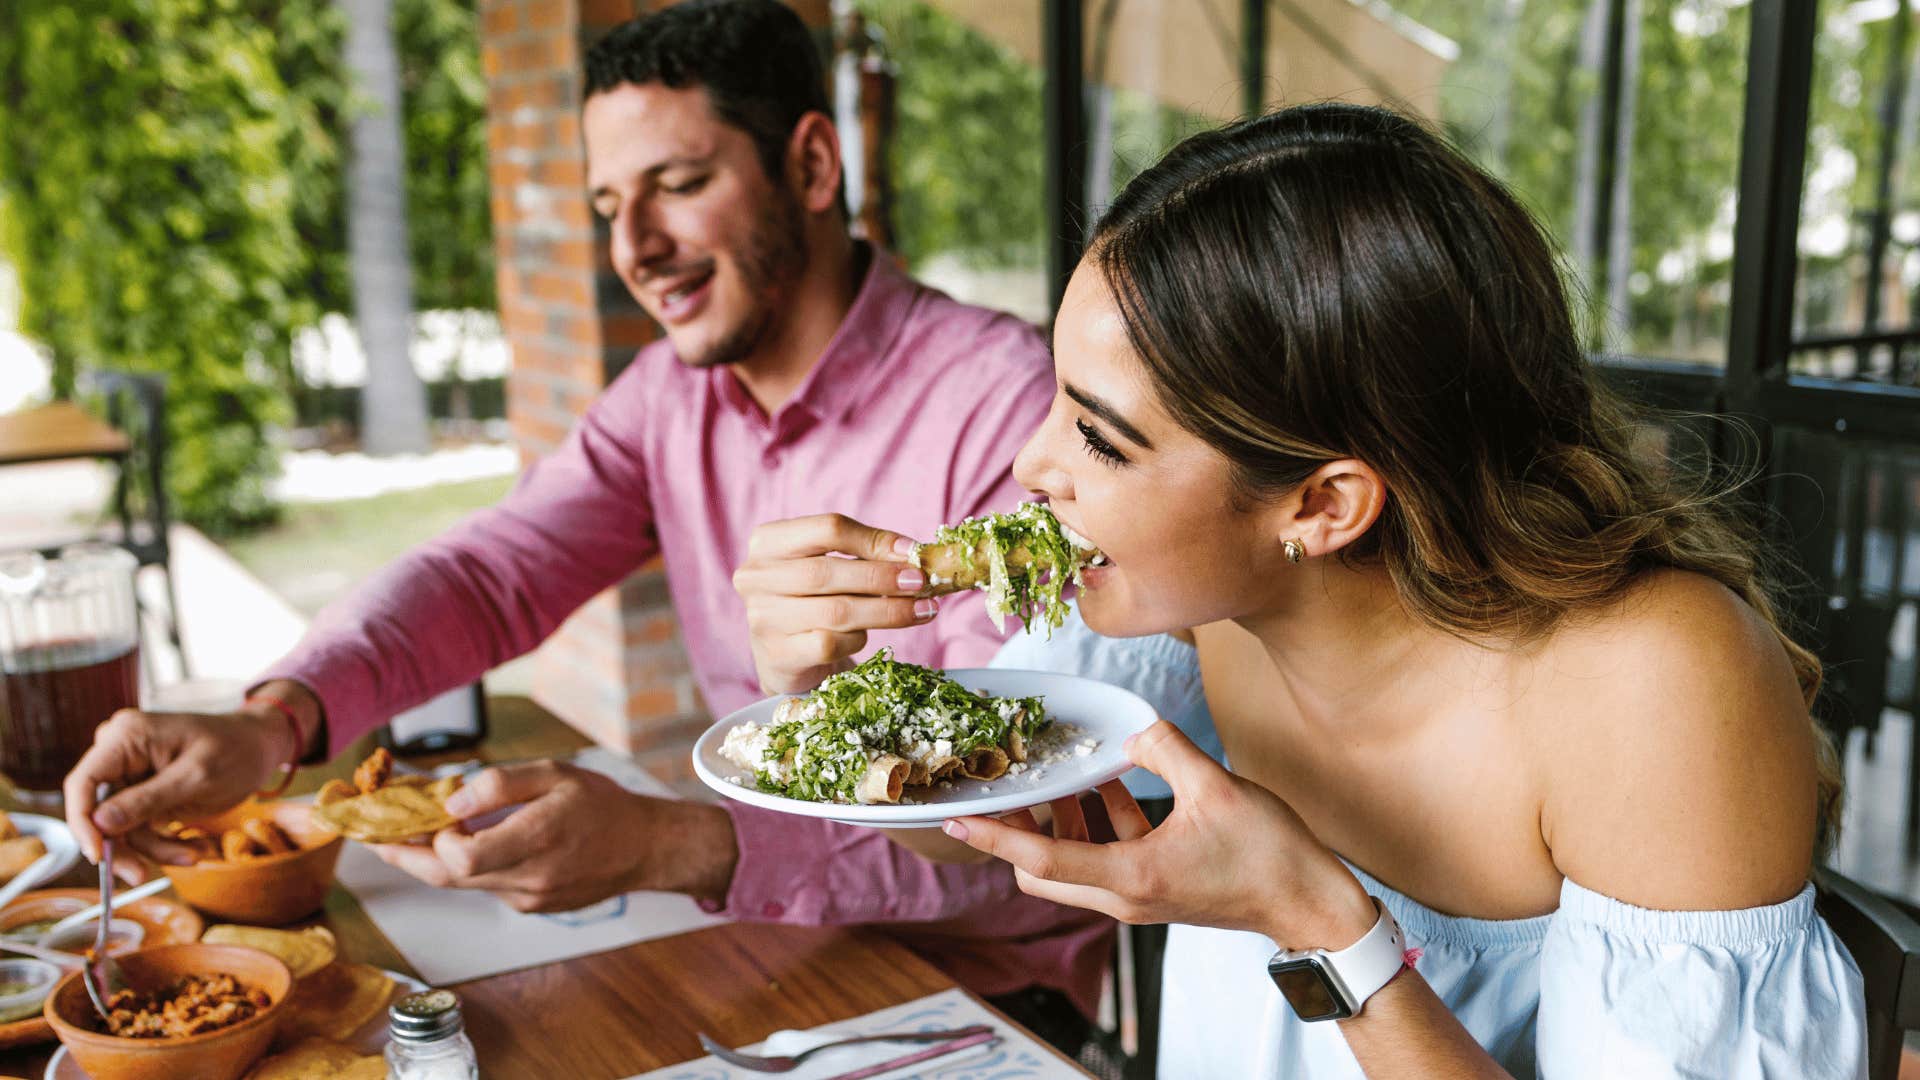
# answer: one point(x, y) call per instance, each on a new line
point(1308, 988)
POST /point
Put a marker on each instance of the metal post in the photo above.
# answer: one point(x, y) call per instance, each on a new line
point(1063, 45)
point(1773, 153)
point(1253, 56)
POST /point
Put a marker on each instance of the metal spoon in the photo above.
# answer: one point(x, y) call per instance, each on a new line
point(101, 973)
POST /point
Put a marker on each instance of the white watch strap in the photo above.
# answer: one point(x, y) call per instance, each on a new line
point(1370, 963)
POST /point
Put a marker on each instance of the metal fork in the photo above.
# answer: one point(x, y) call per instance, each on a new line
point(786, 1063)
point(101, 974)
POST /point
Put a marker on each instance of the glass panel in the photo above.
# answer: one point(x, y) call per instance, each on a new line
point(1860, 215)
point(968, 154)
point(1156, 72)
point(1521, 86)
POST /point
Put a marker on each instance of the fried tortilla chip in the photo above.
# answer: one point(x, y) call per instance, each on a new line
point(314, 1059)
point(303, 951)
point(374, 772)
point(406, 808)
point(335, 1002)
point(333, 791)
point(19, 853)
point(8, 830)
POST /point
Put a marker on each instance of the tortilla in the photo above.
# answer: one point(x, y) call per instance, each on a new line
point(333, 791)
point(335, 1002)
point(882, 782)
point(408, 807)
point(986, 763)
point(303, 951)
point(313, 1059)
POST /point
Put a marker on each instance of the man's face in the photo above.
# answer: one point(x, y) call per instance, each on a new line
point(706, 242)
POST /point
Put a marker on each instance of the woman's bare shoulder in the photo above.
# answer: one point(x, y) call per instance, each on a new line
point(1679, 759)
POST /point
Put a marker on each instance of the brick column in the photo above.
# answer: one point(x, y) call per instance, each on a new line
point(616, 670)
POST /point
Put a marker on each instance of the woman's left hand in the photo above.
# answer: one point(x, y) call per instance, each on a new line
point(1231, 855)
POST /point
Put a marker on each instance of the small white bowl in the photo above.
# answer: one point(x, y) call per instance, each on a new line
point(32, 980)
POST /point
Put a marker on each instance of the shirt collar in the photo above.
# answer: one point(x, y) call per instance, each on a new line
point(835, 383)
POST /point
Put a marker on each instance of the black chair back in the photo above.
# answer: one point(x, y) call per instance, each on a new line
point(1884, 938)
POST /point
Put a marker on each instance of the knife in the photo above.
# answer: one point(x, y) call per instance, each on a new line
point(865, 1071)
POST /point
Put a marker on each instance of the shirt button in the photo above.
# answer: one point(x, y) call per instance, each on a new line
point(774, 909)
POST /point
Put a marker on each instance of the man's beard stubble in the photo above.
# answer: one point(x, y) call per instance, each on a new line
point(775, 255)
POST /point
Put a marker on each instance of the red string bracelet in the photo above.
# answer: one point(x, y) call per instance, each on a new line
point(293, 725)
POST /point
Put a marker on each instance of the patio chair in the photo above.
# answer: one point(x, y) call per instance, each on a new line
point(136, 404)
point(1884, 937)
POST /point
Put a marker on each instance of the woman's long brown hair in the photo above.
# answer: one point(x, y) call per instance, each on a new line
point(1336, 281)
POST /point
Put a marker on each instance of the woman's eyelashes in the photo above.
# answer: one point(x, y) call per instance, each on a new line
point(1097, 444)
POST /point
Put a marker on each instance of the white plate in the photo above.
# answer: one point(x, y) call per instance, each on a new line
point(371, 1039)
point(58, 839)
point(1100, 711)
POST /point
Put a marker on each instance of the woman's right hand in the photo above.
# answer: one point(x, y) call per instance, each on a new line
point(809, 607)
point(171, 767)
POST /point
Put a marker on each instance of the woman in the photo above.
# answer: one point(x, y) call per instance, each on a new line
point(1485, 679)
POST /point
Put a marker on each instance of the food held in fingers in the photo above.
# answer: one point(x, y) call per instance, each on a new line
point(1024, 560)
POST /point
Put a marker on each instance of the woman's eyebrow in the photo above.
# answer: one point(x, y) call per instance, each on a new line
point(1108, 413)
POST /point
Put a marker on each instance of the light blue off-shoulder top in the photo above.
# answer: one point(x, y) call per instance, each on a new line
point(1597, 990)
point(1160, 668)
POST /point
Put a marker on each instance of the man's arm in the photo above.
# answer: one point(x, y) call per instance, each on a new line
point(489, 589)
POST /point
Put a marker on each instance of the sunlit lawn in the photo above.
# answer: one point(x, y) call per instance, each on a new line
point(320, 550)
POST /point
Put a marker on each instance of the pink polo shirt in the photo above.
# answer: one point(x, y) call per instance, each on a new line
point(909, 419)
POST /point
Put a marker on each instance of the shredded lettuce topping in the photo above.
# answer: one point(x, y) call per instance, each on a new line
point(820, 751)
point(1031, 590)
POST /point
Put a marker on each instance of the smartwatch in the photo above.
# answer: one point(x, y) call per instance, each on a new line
point(1322, 985)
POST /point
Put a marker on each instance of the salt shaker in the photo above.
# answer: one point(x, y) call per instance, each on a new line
point(429, 1039)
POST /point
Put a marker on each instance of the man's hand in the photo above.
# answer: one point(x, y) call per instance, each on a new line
point(576, 838)
point(176, 766)
point(809, 611)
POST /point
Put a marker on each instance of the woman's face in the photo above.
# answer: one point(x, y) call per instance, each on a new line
point(1120, 471)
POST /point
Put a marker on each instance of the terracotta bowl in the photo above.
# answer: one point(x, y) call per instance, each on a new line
point(225, 1054)
point(271, 889)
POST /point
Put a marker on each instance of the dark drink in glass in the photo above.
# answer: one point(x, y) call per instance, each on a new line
point(52, 697)
point(69, 657)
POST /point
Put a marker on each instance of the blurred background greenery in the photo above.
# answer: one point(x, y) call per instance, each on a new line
point(173, 172)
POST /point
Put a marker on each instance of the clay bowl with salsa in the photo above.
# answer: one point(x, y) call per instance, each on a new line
point(263, 889)
point(223, 1052)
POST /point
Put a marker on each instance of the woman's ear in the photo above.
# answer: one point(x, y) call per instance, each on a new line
point(1337, 505)
point(813, 156)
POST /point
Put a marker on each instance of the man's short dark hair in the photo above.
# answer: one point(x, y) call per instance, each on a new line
point(755, 59)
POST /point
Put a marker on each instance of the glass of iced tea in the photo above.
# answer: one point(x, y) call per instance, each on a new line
point(69, 657)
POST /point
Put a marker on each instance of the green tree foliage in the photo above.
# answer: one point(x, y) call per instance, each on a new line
point(968, 159)
point(150, 215)
point(448, 216)
point(171, 197)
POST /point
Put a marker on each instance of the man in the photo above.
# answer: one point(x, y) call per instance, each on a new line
point(800, 373)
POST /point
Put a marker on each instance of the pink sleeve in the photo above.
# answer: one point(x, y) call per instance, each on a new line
point(821, 873)
point(982, 481)
point(487, 590)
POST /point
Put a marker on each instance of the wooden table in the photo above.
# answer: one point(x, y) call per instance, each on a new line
point(57, 432)
point(631, 1010)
